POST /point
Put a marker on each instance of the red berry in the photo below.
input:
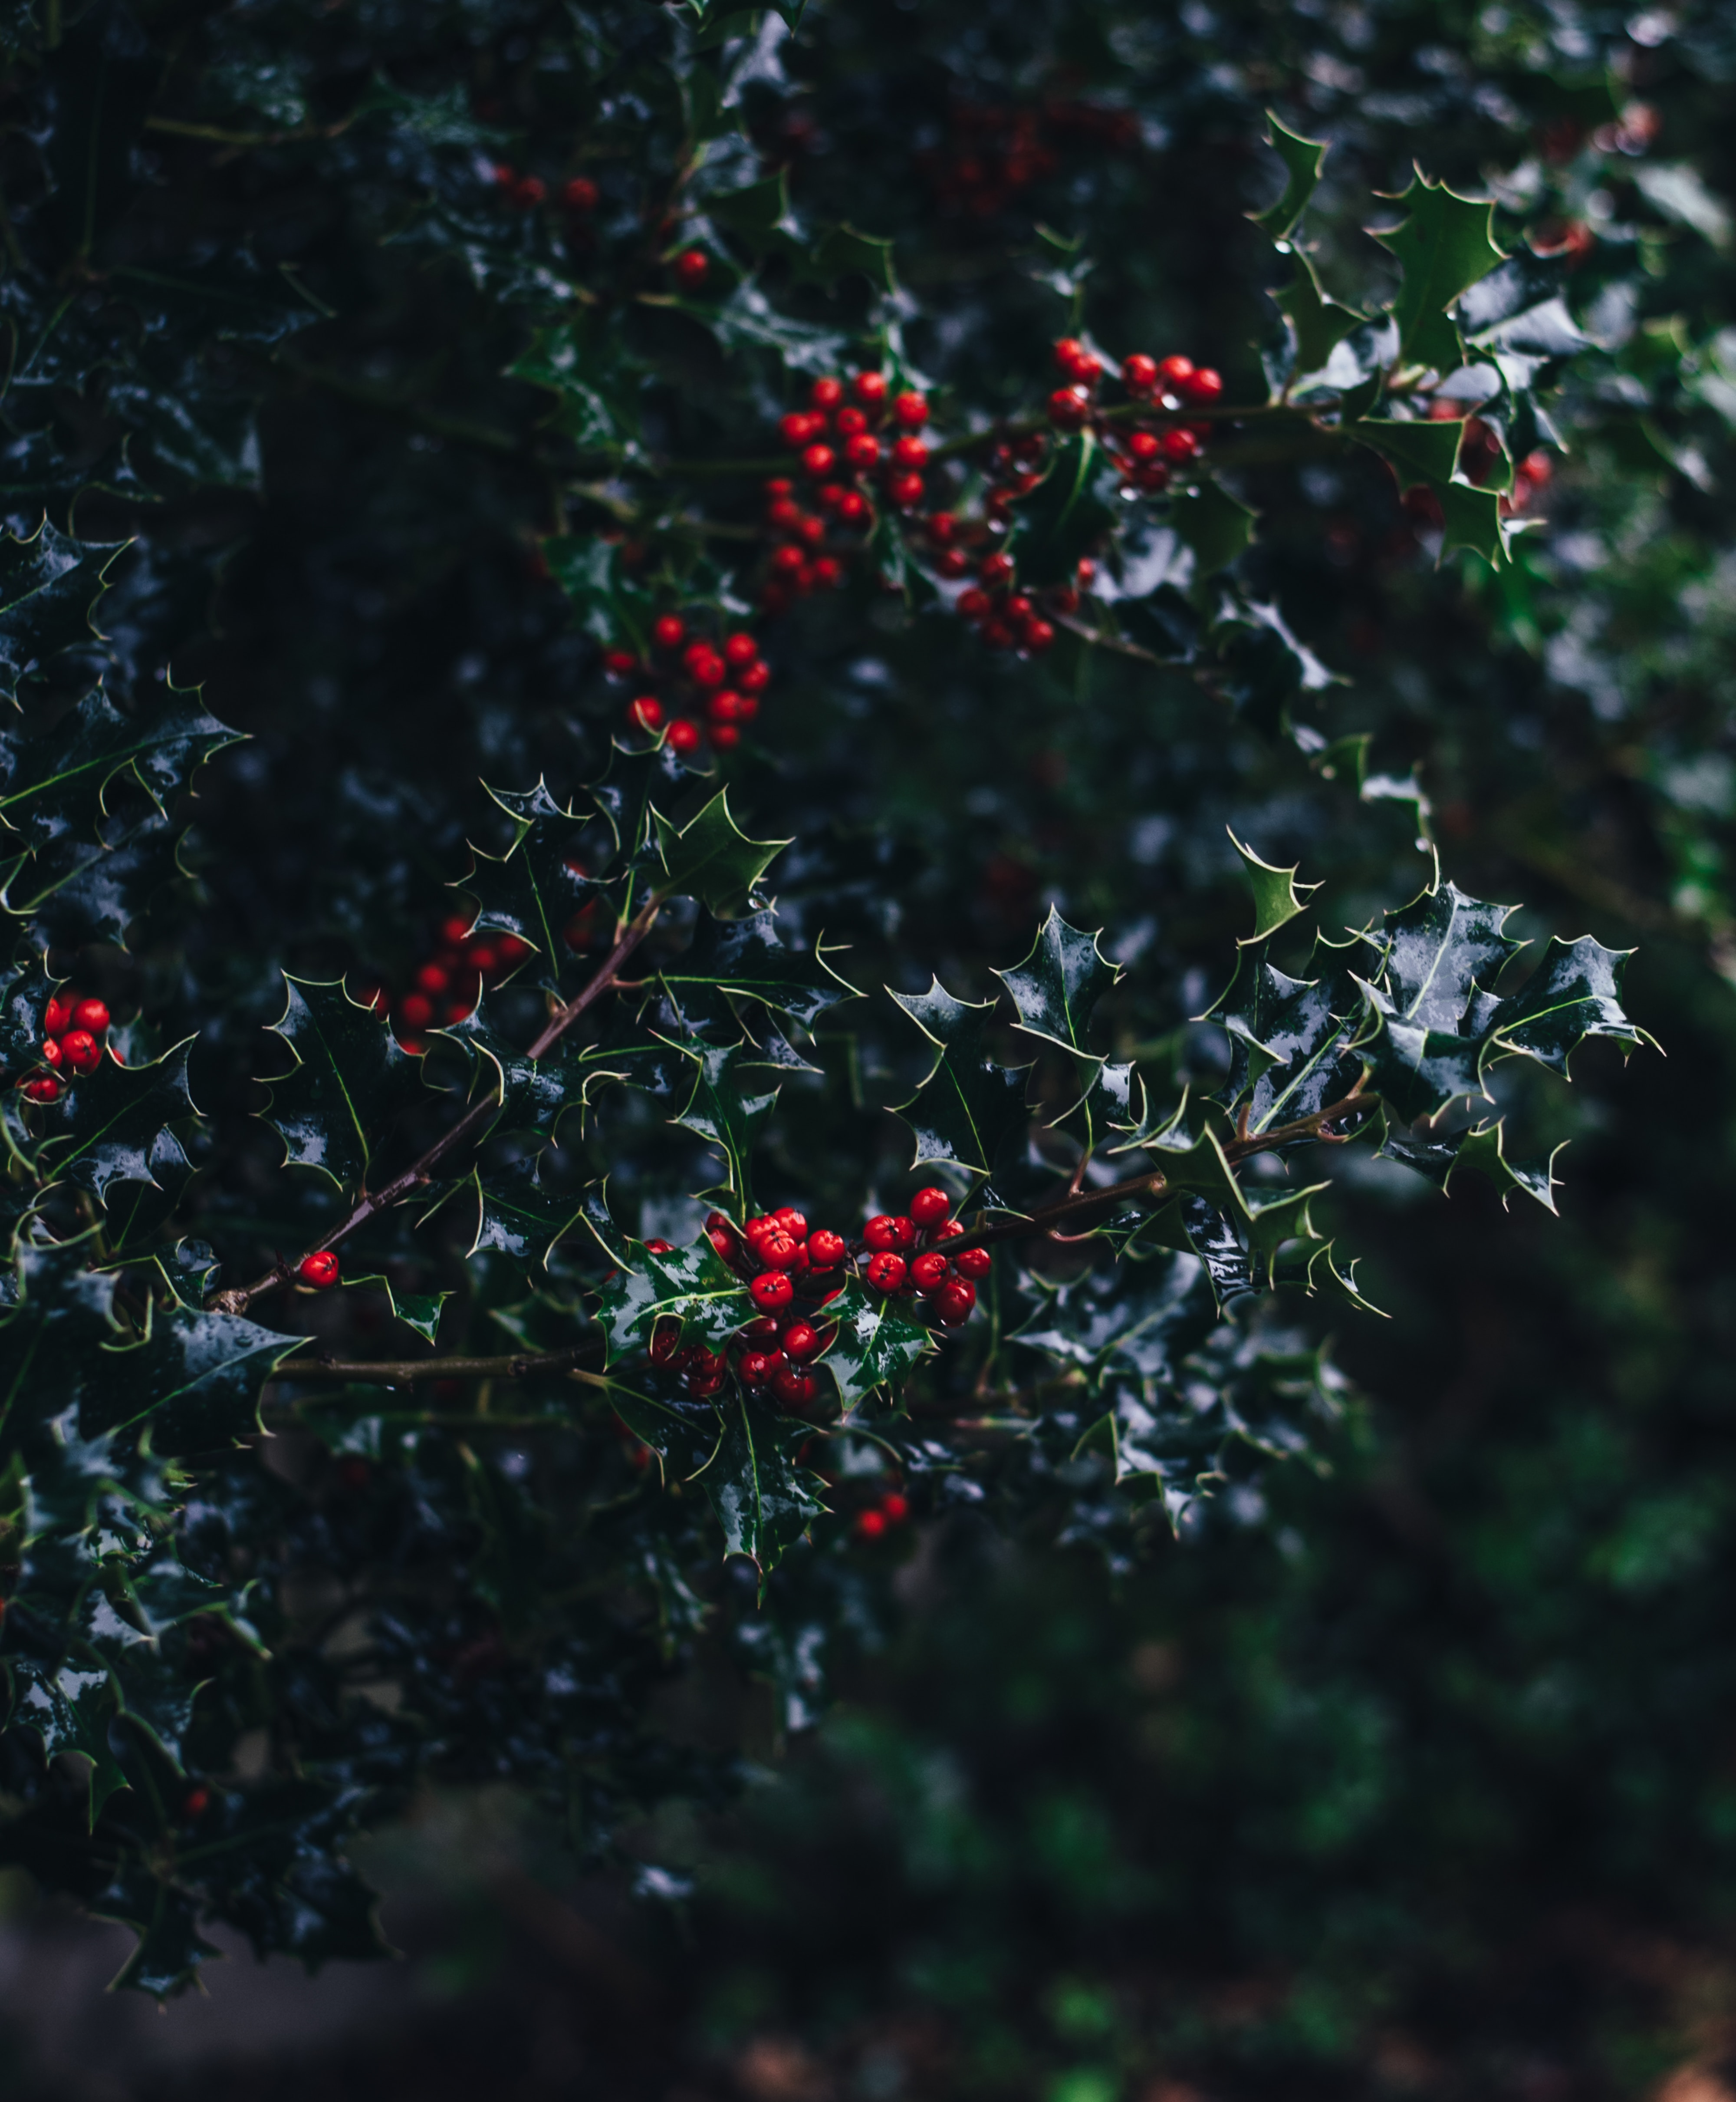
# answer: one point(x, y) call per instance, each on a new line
point(849, 422)
point(819, 461)
point(510, 948)
point(793, 1222)
point(826, 393)
point(721, 1240)
point(683, 736)
point(791, 559)
point(739, 650)
point(929, 1206)
point(863, 449)
point(432, 978)
point(81, 1051)
point(1180, 446)
point(828, 572)
point(57, 1018)
point(953, 562)
point(1017, 609)
point(797, 429)
point(801, 1341)
point(319, 1270)
point(1145, 445)
point(197, 1801)
point(888, 1229)
point(709, 670)
point(770, 1290)
point(869, 387)
point(777, 1250)
point(953, 1303)
point(1173, 370)
point(975, 604)
point(45, 1089)
point(580, 194)
point(530, 192)
point(793, 1388)
point(999, 635)
point(941, 528)
point(905, 490)
point(620, 663)
point(1069, 410)
point(416, 1010)
point(996, 569)
point(911, 410)
point(1086, 569)
point(870, 1525)
point(826, 1249)
point(910, 452)
point(1068, 352)
point(1202, 386)
point(645, 713)
point(756, 679)
point(726, 737)
point(928, 1271)
point(973, 1262)
point(1038, 636)
point(52, 1053)
point(1139, 374)
point(757, 1367)
point(692, 266)
point(668, 632)
point(505, 174)
point(852, 507)
point(722, 706)
point(886, 1272)
point(895, 1509)
point(660, 1247)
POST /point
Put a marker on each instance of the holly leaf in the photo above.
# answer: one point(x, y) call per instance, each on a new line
point(1277, 898)
point(349, 1082)
point(1058, 984)
point(1144, 1320)
point(763, 1500)
point(57, 782)
point(1574, 992)
point(1445, 246)
point(746, 959)
point(712, 859)
point(1065, 515)
point(534, 889)
point(518, 1214)
point(718, 1111)
point(1289, 1039)
point(49, 583)
point(967, 1106)
point(1441, 954)
point(1485, 1149)
point(1216, 525)
point(877, 1341)
point(104, 1128)
point(1303, 159)
point(692, 1287)
point(1319, 324)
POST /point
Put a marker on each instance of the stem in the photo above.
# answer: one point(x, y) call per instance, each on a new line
point(520, 1364)
point(1155, 1183)
point(420, 1171)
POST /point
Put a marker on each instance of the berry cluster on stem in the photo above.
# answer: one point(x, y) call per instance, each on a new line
point(448, 984)
point(711, 686)
point(74, 1037)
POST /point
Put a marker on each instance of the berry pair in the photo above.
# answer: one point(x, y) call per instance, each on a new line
point(73, 1033)
point(579, 196)
point(893, 1509)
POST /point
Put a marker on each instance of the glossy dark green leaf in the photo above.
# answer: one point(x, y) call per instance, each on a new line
point(1056, 988)
point(1277, 898)
point(746, 959)
point(49, 583)
point(106, 1125)
point(534, 890)
point(1216, 525)
point(1573, 993)
point(728, 1116)
point(1444, 245)
point(1067, 513)
point(710, 859)
point(518, 1214)
point(350, 1082)
point(878, 1339)
point(968, 1106)
point(764, 1500)
point(693, 1287)
point(1303, 159)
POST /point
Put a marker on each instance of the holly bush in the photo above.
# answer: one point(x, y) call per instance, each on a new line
point(742, 743)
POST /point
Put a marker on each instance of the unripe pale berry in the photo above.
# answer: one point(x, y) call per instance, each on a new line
point(770, 1290)
point(953, 1303)
point(886, 1272)
point(319, 1270)
point(973, 1262)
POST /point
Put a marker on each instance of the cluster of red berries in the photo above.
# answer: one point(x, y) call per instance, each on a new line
point(73, 1031)
point(578, 198)
point(449, 986)
point(1147, 457)
point(793, 1273)
point(855, 439)
point(887, 1511)
point(996, 152)
point(720, 682)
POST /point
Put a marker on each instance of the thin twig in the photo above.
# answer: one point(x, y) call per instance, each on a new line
point(519, 1365)
point(420, 1171)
